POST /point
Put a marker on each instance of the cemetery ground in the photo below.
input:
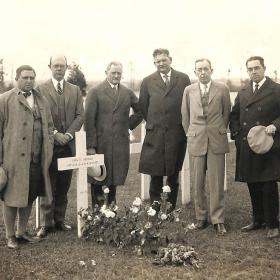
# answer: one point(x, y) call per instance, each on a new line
point(233, 256)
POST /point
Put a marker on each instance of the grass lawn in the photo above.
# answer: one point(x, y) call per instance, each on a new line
point(234, 256)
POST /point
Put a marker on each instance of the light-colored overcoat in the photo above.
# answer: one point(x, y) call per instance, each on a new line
point(16, 131)
point(212, 131)
point(107, 124)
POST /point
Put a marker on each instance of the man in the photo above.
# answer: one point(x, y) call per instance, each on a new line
point(258, 103)
point(205, 116)
point(26, 141)
point(67, 111)
point(165, 143)
point(107, 122)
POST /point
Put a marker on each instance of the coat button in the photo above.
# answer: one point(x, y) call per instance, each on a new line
point(244, 138)
point(244, 123)
point(23, 138)
point(22, 154)
point(246, 109)
point(25, 123)
point(259, 108)
point(257, 123)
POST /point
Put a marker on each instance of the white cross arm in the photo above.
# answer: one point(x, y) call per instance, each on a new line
point(79, 162)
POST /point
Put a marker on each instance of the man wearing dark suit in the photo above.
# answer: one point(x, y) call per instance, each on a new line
point(67, 111)
point(258, 103)
point(165, 142)
point(205, 114)
point(107, 122)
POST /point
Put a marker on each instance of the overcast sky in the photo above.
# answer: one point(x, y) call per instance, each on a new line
point(94, 32)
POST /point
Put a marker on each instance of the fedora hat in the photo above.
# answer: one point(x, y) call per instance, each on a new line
point(259, 141)
point(96, 173)
point(3, 178)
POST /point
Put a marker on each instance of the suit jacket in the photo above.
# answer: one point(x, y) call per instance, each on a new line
point(107, 122)
point(16, 131)
point(262, 108)
point(165, 144)
point(74, 109)
point(213, 131)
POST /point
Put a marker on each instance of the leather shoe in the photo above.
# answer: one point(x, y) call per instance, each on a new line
point(62, 226)
point(201, 224)
point(26, 238)
point(252, 226)
point(12, 242)
point(220, 228)
point(273, 233)
point(43, 232)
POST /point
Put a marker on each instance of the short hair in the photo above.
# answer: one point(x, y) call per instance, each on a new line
point(160, 51)
point(23, 68)
point(115, 63)
point(201, 60)
point(259, 58)
point(61, 56)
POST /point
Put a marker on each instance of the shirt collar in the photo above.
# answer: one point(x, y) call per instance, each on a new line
point(113, 86)
point(259, 83)
point(55, 82)
point(202, 86)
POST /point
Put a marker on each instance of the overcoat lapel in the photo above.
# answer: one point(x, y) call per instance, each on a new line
point(120, 97)
point(173, 81)
point(264, 91)
point(22, 99)
point(212, 91)
point(158, 81)
point(52, 92)
point(66, 92)
point(196, 94)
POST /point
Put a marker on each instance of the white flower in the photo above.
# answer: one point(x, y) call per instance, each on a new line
point(151, 211)
point(106, 190)
point(191, 226)
point(148, 225)
point(133, 232)
point(82, 263)
point(141, 232)
point(109, 214)
point(134, 210)
point(93, 262)
point(89, 218)
point(115, 208)
point(163, 216)
point(137, 202)
point(166, 189)
point(103, 208)
point(177, 220)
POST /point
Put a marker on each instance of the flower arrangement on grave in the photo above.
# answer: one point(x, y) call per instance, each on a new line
point(140, 226)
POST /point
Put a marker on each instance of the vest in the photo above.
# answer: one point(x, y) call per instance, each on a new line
point(37, 137)
point(61, 125)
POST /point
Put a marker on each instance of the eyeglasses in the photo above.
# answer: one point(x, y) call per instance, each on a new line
point(205, 69)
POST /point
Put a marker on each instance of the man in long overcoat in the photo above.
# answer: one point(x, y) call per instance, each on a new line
point(107, 124)
point(164, 147)
point(258, 103)
point(67, 110)
point(26, 147)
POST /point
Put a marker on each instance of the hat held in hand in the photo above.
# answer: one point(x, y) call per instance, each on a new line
point(97, 173)
point(3, 178)
point(259, 141)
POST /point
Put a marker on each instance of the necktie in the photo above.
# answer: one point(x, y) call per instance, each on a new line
point(204, 90)
point(166, 80)
point(256, 88)
point(26, 93)
point(116, 89)
point(59, 90)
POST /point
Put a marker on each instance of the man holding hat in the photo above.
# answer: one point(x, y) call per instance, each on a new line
point(107, 122)
point(254, 124)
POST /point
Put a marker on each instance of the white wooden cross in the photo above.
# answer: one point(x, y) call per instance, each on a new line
point(81, 161)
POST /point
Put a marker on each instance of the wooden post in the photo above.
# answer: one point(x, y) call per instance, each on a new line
point(185, 180)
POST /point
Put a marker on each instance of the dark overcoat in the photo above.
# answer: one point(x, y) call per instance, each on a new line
point(16, 131)
point(164, 147)
point(249, 110)
point(107, 124)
